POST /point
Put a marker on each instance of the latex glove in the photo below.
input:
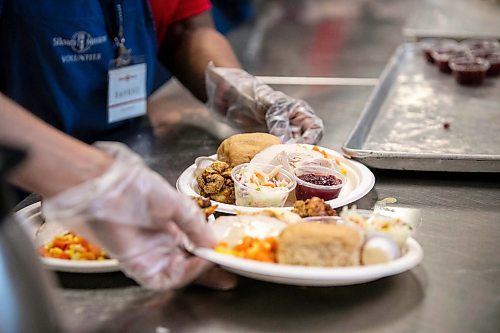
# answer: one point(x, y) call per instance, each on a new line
point(138, 218)
point(243, 101)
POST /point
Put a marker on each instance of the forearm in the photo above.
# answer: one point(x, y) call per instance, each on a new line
point(190, 46)
point(55, 161)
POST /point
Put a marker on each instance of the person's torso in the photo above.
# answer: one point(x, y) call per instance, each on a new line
point(55, 56)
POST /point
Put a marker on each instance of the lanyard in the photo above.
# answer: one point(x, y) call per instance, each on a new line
point(113, 12)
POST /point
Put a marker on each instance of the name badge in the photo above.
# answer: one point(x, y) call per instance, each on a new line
point(126, 92)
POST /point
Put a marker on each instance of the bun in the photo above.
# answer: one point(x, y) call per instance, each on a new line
point(319, 244)
point(241, 148)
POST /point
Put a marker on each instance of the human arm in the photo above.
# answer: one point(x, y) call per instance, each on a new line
point(189, 46)
point(49, 149)
point(232, 93)
point(111, 197)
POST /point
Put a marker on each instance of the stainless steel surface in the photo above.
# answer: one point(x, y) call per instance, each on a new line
point(319, 81)
point(456, 19)
point(455, 289)
point(403, 124)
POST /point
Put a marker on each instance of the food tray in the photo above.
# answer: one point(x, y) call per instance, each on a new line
point(403, 125)
point(454, 19)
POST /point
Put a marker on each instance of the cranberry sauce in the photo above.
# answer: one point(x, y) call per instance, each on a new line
point(494, 60)
point(330, 190)
point(469, 71)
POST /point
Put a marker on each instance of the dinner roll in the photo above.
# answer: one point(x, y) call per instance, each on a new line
point(241, 148)
point(319, 244)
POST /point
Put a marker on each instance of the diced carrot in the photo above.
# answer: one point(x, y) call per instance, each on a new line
point(252, 248)
point(72, 246)
point(61, 243)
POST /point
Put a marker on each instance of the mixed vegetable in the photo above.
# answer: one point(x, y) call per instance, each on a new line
point(72, 247)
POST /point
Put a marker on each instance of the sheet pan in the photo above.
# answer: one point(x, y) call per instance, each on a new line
point(420, 119)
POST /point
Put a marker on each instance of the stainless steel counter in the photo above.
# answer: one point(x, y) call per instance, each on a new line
point(455, 289)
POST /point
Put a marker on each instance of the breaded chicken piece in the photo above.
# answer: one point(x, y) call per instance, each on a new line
point(215, 183)
point(313, 207)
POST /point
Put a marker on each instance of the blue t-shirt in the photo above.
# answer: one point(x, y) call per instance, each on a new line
point(55, 56)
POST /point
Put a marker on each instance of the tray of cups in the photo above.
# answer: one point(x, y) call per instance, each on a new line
point(435, 108)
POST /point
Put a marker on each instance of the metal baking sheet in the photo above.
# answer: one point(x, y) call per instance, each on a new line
point(403, 125)
point(457, 19)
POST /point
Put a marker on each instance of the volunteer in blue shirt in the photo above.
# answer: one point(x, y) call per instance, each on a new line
point(85, 67)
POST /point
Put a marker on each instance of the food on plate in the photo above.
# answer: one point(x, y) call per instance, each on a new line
point(252, 248)
point(376, 224)
point(215, 182)
point(206, 205)
point(379, 249)
point(317, 181)
point(261, 185)
point(241, 148)
point(280, 214)
point(270, 184)
point(357, 238)
point(232, 229)
point(318, 244)
point(313, 207)
point(72, 247)
point(292, 156)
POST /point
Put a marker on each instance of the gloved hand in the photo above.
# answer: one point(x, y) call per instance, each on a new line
point(251, 105)
point(138, 218)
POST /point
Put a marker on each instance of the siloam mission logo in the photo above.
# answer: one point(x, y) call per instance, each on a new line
point(80, 42)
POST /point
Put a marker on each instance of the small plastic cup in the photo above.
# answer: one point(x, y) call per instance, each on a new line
point(483, 53)
point(480, 44)
point(317, 181)
point(469, 71)
point(262, 196)
point(481, 47)
point(494, 60)
point(442, 55)
point(428, 44)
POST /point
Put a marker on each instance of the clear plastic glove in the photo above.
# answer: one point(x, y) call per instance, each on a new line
point(243, 101)
point(139, 218)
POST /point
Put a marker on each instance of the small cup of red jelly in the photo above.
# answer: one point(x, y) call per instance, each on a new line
point(481, 47)
point(428, 44)
point(318, 181)
point(494, 60)
point(469, 71)
point(443, 53)
point(480, 44)
point(483, 53)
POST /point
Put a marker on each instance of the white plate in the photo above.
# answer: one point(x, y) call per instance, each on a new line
point(314, 276)
point(360, 181)
point(30, 218)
